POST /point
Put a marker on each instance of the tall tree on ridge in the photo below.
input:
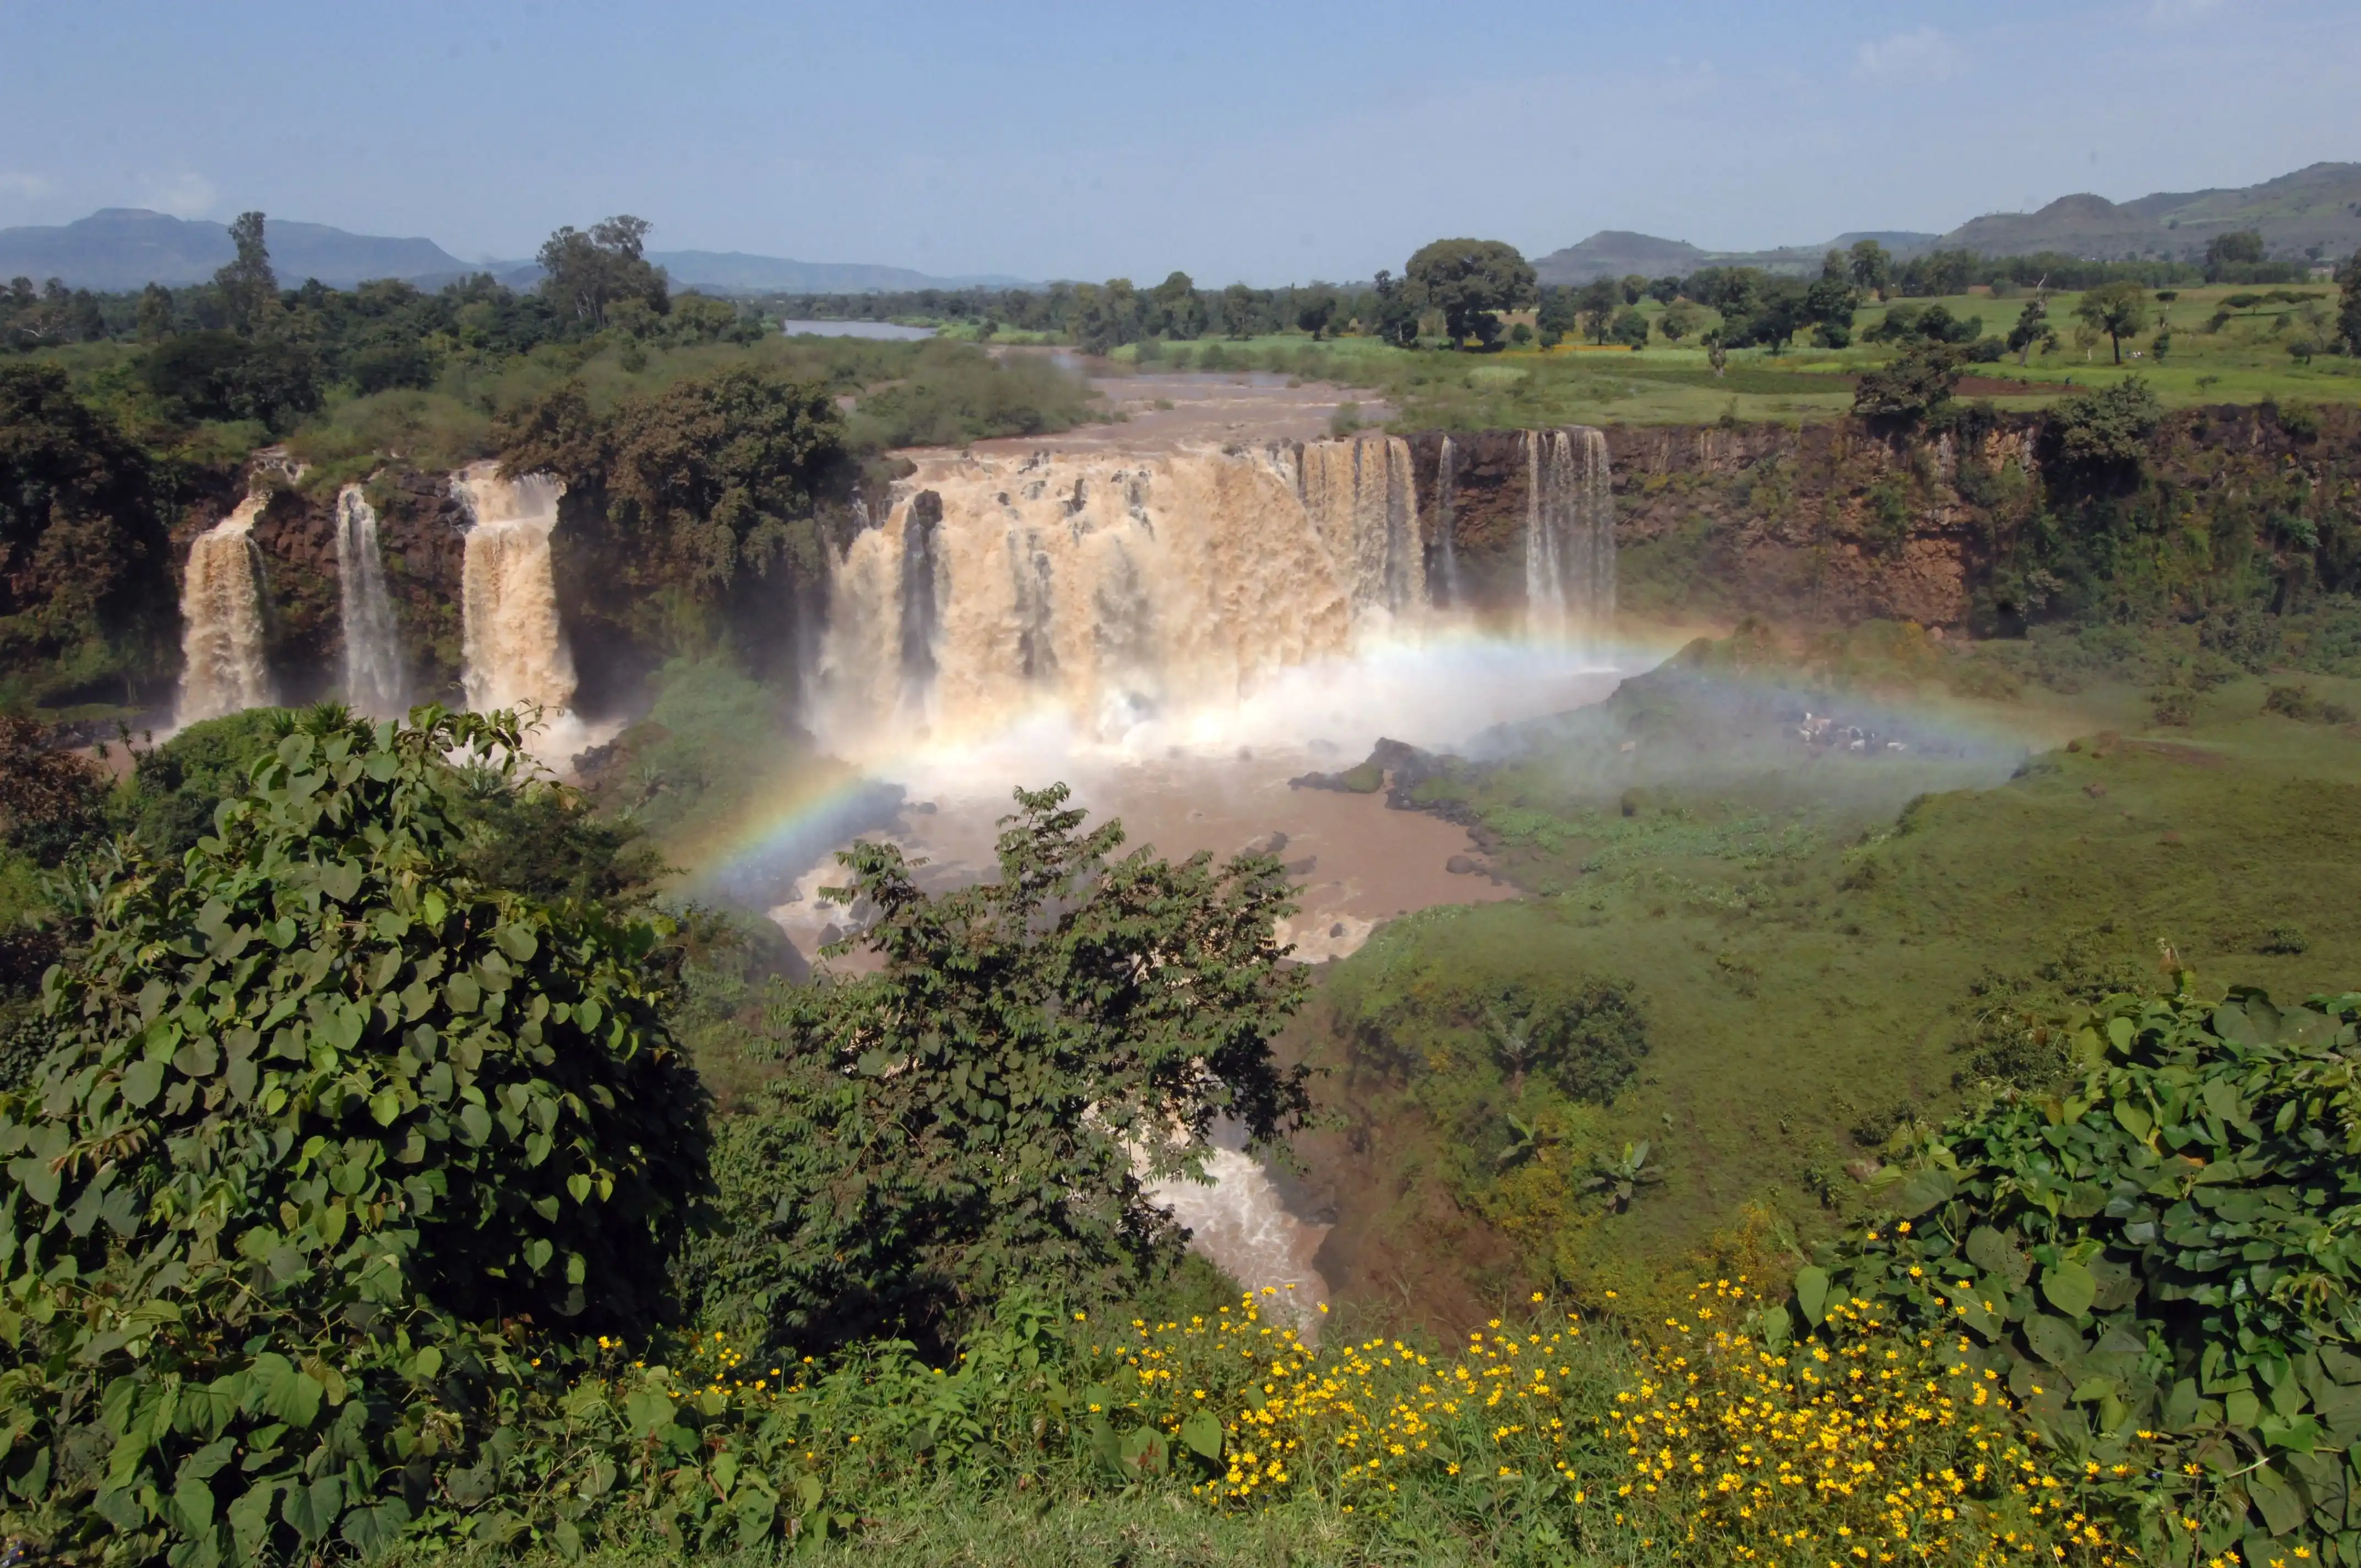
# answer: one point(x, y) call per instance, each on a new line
point(249, 286)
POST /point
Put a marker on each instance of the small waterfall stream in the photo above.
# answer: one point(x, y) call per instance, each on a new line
point(1446, 474)
point(512, 648)
point(222, 665)
point(1569, 533)
point(375, 683)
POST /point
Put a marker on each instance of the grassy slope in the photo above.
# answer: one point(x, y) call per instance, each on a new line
point(1667, 384)
point(1801, 981)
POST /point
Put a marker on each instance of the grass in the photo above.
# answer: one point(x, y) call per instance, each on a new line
point(2245, 362)
point(1819, 960)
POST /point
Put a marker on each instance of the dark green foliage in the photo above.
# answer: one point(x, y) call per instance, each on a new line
point(176, 786)
point(2104, 435)
point(1585, 1035)
point(50, 800)
point(317, 1101)
point(2164, 1247)
point(589, 277)
point(1468, 282)
point(1907, 392)
point(85, 576)
point(540, 840)
point(971, 1115)
point(222, 375)
point(2297, 702)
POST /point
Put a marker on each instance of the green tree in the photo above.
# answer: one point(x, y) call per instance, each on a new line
point(86, 593)
point(2348, 314)
point(1177, 310)
point(327, 1133)
point(248, 288)
point(1596, 305)
point(1664, 290)
point(155, 313)
point(1634, 289)
point(1396, 311)
point(1467, 279)
point(1630, 328)
point(1914, 388)
point(1314, 308)
point(2118, 309)
point(1679, 320)
point(586, 276)
point(985, 1108)
point(1557, 316)
point(2032, 327)
point(1241, 312)
point(2105, 432)
point(1871, 267)
point(2240, 248)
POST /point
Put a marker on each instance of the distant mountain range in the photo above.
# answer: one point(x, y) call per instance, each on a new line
point(2313, 212)
point(118, 248)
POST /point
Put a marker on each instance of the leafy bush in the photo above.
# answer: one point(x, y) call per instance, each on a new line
point(984, 1109)
point(2297, 702)
point(50, 799)
point(2161, 1251)
point(318, 1102)
point(1915, 386)
point(2104, 435)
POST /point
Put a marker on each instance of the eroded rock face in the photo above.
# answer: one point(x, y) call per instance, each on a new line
point(422, 530)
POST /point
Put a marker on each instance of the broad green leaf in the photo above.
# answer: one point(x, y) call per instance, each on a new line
point(313, 1510)
point(1922, 1190)
point(2069, 1288)
point(1203, 1433)
point(385, 1106)
point(1811, 1291)
point(142, 1081)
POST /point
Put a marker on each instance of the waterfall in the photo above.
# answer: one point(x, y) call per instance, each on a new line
point(374, 680)
point(512, 648)
point(1446, 474)
point(1103, 586)
point(221, 664)
point(1569, 533)
point(1360, 496)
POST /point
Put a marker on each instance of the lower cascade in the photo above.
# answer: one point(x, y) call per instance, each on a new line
point(1569, 532)
point(512, 648)
point(375, 683)
point(222, 669)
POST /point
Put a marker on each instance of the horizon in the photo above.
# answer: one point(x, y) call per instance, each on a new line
point(1268, 149)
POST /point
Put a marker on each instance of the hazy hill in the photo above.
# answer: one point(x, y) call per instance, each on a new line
point(2315, 207)
point(1616, 253)
point(2319, 207)
point(735, 272)
point(128, 247)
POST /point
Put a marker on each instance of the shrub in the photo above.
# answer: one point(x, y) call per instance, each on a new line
point(1914, 386)
point(984, 1109)
point(50, 799)
point(2297, 702)
point(2155, 1253)
point(2104, 434)
point(318, 1102)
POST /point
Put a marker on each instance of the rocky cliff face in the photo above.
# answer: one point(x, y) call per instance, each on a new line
point(1832, 523)
point(422, 530)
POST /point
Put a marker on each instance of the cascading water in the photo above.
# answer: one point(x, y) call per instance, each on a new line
point(374, 680)
point(1446, 474)
point(512, 648)
point(221, 664)
point(1103, 588)
point(1361, 497)
point(1569, 533)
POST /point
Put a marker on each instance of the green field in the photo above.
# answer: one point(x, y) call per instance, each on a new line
point(1826, 947)
point(2245, 362)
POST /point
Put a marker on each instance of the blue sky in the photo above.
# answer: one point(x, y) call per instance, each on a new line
point(1093, 139)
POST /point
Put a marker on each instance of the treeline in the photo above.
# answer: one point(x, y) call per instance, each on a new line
point(241, 347)
point(1458, 290)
